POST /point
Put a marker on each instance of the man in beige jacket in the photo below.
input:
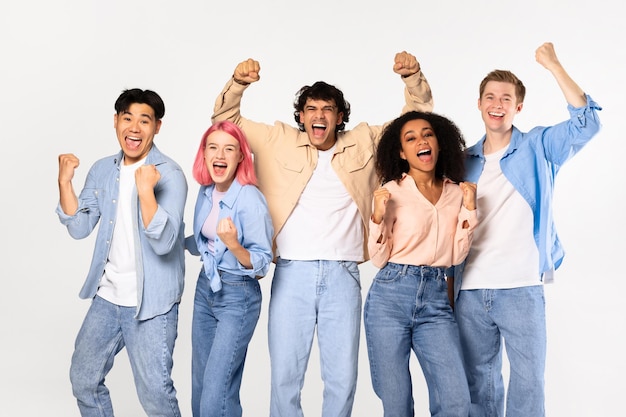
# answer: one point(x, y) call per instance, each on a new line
point(318, 180)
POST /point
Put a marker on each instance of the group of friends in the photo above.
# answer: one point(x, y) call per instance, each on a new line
point(463, 237)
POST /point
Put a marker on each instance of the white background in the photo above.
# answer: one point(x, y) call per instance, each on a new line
point(63, 64)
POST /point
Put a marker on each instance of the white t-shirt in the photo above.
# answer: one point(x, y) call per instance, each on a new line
point(119, 282)
point(325, 224)
point(209, 227)
point(504, 253)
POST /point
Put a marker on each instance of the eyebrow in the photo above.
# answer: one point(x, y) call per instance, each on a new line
point(140, 114)
point(414, 131)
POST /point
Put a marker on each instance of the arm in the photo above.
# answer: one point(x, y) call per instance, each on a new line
point(146, 178)
point(228, 103)
point(565, 139)
point(417, 93)
point(546, 56)
point(227, 231)
point(165, 227)
point(252, 245)
point(380, 239)
point(80, 215)
point(67, 197)
point(466, 223)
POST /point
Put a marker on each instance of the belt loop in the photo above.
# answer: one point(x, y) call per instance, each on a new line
point(404, 268)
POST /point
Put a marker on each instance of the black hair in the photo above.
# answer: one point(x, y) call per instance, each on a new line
point(321, 91)
point(136, 95)
point(450, 163)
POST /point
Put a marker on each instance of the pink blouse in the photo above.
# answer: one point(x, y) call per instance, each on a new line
point(413, 231)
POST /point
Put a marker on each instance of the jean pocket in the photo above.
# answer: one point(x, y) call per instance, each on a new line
point(353, 269)
point(386, 276)
point(283, 262)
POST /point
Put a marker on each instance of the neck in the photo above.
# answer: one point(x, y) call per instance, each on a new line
point(424, 179)
point(494, 141)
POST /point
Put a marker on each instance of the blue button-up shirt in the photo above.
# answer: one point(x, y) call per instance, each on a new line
point(247, 208)
point(159, 248)
point(531, 163)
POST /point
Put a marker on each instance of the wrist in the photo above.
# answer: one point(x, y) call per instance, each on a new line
point(416, 72)
point(240, 82)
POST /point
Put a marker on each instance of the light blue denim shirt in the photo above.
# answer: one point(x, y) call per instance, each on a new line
point(531, 163)
point(159, 248)
point(247, 208)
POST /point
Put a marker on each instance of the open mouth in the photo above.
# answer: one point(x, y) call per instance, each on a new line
point(424, 154)
point(219, 168)
point(495, 114)
point(318, 129)
point(133, 142)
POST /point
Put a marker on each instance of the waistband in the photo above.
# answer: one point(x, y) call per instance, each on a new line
point(436, 271)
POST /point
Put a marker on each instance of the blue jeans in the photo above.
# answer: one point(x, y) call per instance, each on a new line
point(407, 307)
point(106, 330)
point(306, 295)
point(518, 316)
point(222, 327)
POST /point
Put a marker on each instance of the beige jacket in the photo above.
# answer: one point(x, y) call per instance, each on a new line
point(285, 158)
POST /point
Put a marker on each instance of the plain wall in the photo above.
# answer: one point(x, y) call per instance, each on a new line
point(64, 63)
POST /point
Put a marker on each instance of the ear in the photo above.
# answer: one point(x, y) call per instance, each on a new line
point(402, 156)
point(301, 116)
point(339, 118)
point(115, 121)
point(518, 108)
point(478, 104)
point(158, 126)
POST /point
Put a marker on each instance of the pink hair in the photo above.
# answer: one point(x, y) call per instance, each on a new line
point(245, 171)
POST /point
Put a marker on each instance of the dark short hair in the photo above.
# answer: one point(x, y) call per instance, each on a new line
point(321, 91)
point(450, 163)
point(136, 95)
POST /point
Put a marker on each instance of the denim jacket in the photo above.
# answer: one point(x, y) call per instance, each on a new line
point(159, 248)
point(247, 208)
point(531, 163)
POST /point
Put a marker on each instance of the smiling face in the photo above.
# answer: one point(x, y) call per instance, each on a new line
point(222, 156)
point(420, 147)
point(498, 106)
point(320, 119)
point(135, 129)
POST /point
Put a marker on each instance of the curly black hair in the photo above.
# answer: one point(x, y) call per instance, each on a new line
point(450, 164)
point(321, 91)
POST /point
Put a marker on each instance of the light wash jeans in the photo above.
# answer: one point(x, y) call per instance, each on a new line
point(306, 295)
point(518, 316)
point(222, 327)
point(106, 330)
point(407, 307)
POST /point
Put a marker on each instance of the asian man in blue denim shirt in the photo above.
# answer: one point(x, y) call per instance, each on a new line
point(136, 277)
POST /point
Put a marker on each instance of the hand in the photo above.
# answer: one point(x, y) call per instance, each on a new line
point(67, 165)
point(227, 231)
point(469, 195)
point(381, 197)
point(405, 64)
point(247, 71)
point(546, 56)
point(146, 178)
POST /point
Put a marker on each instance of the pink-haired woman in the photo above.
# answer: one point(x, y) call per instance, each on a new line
point(232, 233)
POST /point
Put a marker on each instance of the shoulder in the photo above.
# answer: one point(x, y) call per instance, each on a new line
point(107, 163)
point(164, 162)
point(361, 129)
point(395, 185)
point(250, 191)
